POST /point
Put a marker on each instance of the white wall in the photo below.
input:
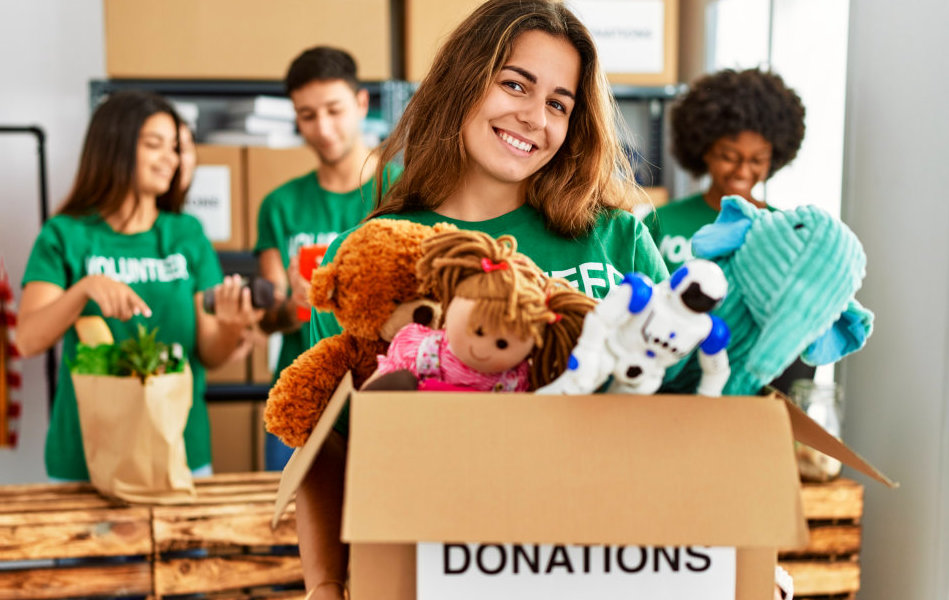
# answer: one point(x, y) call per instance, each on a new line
point(50, 49)
point(896, 150)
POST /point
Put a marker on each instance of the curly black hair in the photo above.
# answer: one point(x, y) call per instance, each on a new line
point(729, 102)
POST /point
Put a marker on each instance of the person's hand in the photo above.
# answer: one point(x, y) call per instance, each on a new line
point(232, 304)
point(115, 299)
point(299, 285)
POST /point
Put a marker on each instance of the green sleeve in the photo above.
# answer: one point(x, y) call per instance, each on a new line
point(267, 234)
point(647, 260)
point(46, 258)
point(652, 224)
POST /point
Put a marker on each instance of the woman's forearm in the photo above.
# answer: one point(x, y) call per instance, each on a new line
point(47, 311)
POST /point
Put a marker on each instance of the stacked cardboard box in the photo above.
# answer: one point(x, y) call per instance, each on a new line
point(637, 39)
point(241, 39)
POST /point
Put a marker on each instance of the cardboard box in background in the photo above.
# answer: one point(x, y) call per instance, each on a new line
point(241, 39)
point(658, 196)
point(236, 436)
point(639, 48)
point(234, 371)
point(265, 353)
point(268, 168)
point(427, 24)
point(575, 470)
point(637, 40)
point(217, 195)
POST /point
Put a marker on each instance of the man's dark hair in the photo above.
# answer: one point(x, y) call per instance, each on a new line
point(729, 102)
point(321, 63)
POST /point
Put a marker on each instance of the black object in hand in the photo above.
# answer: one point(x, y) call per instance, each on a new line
point(261, 293)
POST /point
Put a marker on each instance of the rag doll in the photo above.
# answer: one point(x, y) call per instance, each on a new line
point(507, 326)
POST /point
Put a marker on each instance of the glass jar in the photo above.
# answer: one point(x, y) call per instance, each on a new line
point(824, 403)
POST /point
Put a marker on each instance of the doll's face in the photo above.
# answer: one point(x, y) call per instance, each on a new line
point(485, 350)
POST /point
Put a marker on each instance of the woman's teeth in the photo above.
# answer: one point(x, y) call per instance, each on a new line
point(524, 146)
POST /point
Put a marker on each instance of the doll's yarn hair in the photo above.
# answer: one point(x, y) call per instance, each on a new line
point(510, 292)
point(569, 307)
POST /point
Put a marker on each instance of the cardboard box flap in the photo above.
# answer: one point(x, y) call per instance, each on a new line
point(810, 433)
point(525, 468)
point(299, 463)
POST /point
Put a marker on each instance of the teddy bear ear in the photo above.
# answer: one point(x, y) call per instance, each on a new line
point(323, 288)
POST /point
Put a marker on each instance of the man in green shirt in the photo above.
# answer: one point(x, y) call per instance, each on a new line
point(314, 208)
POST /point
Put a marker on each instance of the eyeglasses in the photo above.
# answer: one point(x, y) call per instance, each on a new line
point(737, 160)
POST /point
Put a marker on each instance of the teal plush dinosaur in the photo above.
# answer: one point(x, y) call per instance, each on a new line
point(792, 276)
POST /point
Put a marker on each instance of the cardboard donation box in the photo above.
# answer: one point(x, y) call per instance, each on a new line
point(133, 435)
point(477, 495)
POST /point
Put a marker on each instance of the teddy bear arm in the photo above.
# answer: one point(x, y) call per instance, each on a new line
point(300, 395)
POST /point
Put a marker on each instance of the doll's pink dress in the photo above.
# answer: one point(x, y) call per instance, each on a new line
point(425, 353)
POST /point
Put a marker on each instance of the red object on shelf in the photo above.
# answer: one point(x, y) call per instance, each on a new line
point(310, 258)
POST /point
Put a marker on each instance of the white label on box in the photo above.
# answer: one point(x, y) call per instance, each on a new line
point(629, 34)
point(209, 200)
point(548, 572)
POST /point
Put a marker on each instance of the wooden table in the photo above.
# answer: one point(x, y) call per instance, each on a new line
point(229, 525)
point(220, 545)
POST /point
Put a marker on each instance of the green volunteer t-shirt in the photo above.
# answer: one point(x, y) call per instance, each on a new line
point(166, 265)
point(594, 262)
point(301, 212)
point(673, 225)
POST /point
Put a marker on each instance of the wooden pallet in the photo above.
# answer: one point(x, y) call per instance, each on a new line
point(221, 545)
point(829, 566)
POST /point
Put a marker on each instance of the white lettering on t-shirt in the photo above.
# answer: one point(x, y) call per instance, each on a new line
point(676, 248)
point(299, 240)
point(587, 282)
point(131, 270)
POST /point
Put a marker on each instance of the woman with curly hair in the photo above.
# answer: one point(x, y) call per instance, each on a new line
point(740, 127)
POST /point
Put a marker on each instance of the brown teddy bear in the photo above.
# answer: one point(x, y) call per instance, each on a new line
point(372, 289)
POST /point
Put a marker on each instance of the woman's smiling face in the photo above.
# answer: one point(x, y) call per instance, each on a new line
point(522, 121)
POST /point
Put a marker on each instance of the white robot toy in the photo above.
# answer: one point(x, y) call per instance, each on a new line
point(640, 329)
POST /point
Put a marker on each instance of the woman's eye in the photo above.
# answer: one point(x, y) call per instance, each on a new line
point(501, 344)
point(517, 87)
point(557, 106)
point(479, 332)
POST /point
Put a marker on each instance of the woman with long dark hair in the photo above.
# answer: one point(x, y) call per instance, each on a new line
point(120, 248)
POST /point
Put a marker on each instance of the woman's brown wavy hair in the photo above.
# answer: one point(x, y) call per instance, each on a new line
point(588, 174)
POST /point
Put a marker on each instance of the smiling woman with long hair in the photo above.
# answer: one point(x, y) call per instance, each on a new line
point(120, 248)
point(513, 131)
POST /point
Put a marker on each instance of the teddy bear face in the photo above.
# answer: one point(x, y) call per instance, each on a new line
point(371, 285)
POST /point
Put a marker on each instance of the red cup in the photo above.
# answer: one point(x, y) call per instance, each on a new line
point(310, 258)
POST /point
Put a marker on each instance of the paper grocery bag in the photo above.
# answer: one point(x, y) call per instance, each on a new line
point(133, 435)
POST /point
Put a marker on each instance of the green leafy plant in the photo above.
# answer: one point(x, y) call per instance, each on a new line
point(96, 360)
point(141, 356)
